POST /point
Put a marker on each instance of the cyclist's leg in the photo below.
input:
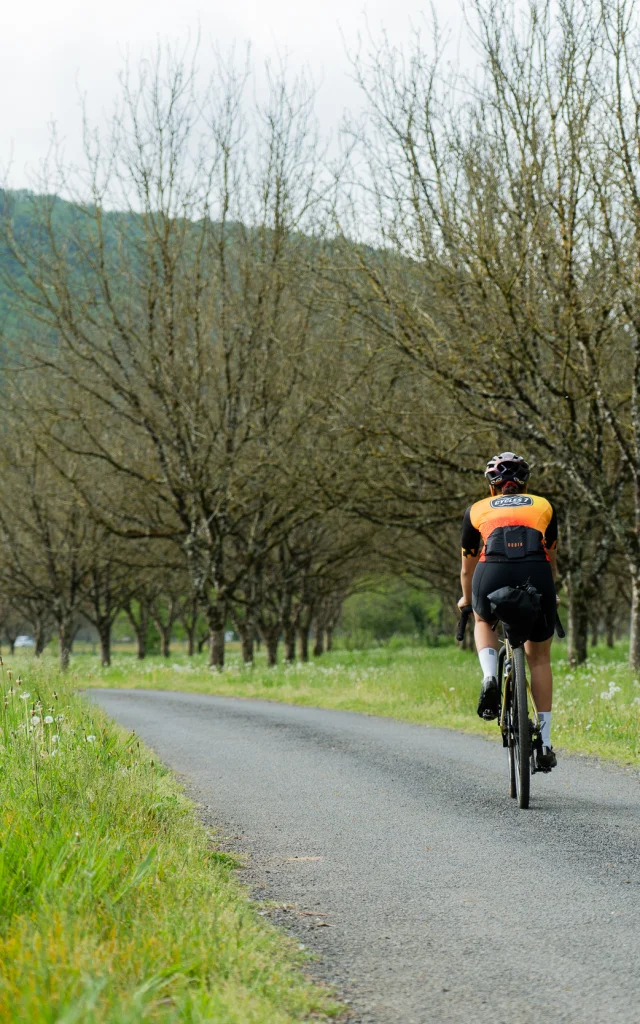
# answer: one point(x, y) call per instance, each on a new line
point(539, 659)
point(486, 642)
point(485, 639)
point(484, 635)
point(484, 581)
point(487, 648)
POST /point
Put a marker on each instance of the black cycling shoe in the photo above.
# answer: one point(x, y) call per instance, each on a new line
point(489, 701)
point(546, 759)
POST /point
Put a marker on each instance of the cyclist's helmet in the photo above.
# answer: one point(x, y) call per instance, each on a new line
point(507, 470)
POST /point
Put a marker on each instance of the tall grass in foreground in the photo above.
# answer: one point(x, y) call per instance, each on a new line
point(114, 905)
point(596, 706)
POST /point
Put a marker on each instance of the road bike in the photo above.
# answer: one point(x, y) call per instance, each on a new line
point(518, 718)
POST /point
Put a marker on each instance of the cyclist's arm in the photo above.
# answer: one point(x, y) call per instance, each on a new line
point(469, 563)
point(471, 547)
point(551, 542)
point(553, 560)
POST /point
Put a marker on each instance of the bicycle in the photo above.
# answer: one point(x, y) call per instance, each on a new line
point(520, 732)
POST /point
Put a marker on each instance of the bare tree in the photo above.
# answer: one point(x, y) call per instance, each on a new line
point(498, 220)
point(46, 538)
point(179, 326)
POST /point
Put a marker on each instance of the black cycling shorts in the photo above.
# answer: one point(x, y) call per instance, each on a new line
point(490, 576)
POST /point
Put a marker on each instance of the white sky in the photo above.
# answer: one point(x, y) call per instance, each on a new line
point(50, 50)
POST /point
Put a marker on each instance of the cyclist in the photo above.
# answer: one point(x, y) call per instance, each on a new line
point(508, 539)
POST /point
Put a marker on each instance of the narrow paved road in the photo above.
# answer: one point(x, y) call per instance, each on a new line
point(403, 863)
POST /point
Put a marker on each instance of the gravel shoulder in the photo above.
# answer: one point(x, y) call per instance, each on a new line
point(395, 854)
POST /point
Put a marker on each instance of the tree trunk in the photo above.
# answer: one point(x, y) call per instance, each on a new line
point(104, 631)
point(216, 648)
point(577, 626)
point(318, 647)
point(329, 638)
point(289, 643)
point(191, 641)
point(41, 640)
point(272, 639)
point(141, 644)
point(245, 628)
point(246, 642)
point(303, 639)
point(202, 641)
point(12, 646)
point(595, 630)
point(609, 625)
point(65, 641)
point(165, 640)
point(216, 617)
point(139, 627)
point(634, 632)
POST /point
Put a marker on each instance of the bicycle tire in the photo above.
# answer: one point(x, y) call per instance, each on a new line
point(521, 732)
point(505, 702)
point(513, 785)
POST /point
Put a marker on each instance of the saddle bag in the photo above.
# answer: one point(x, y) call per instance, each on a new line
point(517, 607)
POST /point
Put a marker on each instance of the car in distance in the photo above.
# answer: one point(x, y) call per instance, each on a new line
point(25, 641)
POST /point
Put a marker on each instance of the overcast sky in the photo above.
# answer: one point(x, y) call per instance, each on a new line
point(51, 50)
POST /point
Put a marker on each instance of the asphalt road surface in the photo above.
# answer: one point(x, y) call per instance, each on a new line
point(397, 856)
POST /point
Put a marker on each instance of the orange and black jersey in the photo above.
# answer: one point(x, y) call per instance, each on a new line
point(508, 526)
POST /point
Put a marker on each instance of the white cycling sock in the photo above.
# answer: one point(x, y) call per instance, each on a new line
point(488, 661)
point(545, 727)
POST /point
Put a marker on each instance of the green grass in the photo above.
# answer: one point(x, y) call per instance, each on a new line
point(596, 707)
point(115, 905)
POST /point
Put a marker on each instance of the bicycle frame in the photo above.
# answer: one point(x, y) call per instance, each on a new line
point(508, 660)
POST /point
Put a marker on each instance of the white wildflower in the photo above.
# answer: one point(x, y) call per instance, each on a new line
point(48, 720)
point(25, 696)
point(35, 720)
point(609, 694)
point(91, 739)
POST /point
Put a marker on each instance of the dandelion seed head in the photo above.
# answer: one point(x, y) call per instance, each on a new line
point(48, 720)
point(91, 739)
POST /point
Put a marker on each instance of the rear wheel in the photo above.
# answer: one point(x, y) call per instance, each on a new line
point(521, 732)
point(506, 691)
point(513, 785)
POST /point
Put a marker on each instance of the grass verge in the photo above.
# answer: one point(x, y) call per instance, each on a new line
point(596, 706)
point(114, 904)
